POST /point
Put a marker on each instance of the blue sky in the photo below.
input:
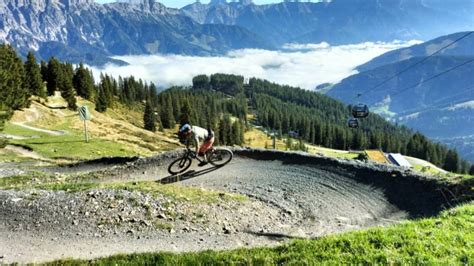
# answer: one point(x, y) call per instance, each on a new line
point(181, 3)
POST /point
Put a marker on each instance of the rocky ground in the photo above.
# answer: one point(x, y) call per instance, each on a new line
point(287, 196)
point(36, 223)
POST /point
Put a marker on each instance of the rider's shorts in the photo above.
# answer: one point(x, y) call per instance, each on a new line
point(206, 146)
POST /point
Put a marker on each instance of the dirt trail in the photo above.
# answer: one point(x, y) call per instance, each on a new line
point(291, 195)
point(50, 132)
point(27, 153)
point(9, 136)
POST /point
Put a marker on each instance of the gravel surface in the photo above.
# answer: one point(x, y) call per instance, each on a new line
point(39, 226)
point(291, 195)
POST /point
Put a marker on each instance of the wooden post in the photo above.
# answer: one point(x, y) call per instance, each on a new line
point(85, 131)
point(274, 140)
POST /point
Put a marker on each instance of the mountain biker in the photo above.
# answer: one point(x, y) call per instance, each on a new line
point(197, 134)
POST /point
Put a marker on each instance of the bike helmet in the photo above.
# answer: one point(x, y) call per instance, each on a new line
point(185, 131)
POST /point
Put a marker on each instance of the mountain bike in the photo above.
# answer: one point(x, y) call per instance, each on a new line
point(215, 156)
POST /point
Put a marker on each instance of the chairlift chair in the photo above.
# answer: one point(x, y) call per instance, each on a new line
point(353, 123)
point(360, 111)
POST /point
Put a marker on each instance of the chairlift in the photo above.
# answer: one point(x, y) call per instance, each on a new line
point(353, 123)
point(360, 111)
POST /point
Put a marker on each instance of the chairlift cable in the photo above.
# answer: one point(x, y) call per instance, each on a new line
point(417, 63)
point(435, 76)
point(469, 89)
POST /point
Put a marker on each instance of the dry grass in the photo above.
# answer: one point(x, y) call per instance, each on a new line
point(256, 138)
point(377, 156)
point(119, 124)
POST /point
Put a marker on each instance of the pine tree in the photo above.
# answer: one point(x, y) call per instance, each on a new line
point(33, 78)
point(451, 162)
point(13, 93)
point(242, 132)
point(66, 87)
point(227, 130)
point(149, 118)
point(108, 87)
point(236, 133)
point(83, 82)
point(201, 82)
point(44, 70)
point(289, 145)
point(3, 117)
point(471, 171)
point(166, 114)
point(69, 94)
point(101, 102)
point(54, 76)
point(186, 113)
point(302, 146)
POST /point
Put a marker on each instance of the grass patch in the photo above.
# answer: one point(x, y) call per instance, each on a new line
point(256, 138)
point(77, 183)
point(24, 181)
point(70, 146)
point(73, 147)
point(70, 187)
point(444, 240)
point(13, 129)
point(177, 192)
point(42, 180)
point(9, 156)
point(426, 169)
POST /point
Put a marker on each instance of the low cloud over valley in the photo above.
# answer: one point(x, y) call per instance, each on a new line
point(301, 65)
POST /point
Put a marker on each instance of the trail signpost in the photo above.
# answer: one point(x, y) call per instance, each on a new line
point(85, 115)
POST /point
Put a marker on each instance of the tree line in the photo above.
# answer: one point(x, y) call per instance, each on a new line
point(226, 116)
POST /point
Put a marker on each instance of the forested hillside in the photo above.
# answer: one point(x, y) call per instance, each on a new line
point(221, 102)
point(321, 120)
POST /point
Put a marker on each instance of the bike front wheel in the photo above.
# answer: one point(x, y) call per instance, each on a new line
point(179, 166)
point(220, 157)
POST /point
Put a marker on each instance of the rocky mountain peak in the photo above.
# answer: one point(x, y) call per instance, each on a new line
point(150, 6)
point(218, 2)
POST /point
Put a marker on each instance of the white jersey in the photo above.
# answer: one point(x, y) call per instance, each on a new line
point(199, 134)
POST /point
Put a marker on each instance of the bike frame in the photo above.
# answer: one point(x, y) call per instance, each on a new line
point(192, 154)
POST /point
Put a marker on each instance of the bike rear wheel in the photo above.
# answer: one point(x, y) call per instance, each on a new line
point(220, 157)
point(179, 166)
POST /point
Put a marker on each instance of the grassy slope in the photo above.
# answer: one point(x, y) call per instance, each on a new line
point(256, 138)
point(447, 239)
point(118, 132)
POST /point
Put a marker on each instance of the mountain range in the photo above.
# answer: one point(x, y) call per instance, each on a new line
point(82, 30)
point(435, 96)
point(340, 21)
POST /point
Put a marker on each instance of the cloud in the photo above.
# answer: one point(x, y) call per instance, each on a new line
point(300, 65)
